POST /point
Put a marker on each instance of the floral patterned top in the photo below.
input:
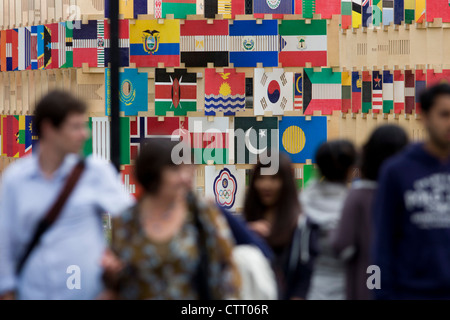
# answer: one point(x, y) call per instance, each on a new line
point(166, 271)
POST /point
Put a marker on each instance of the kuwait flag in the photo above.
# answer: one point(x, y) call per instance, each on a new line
point(209, 139)
point(377, 92)
point(399, 91)
point(322, 91)
point(175, 92)
point(301, 43)
point(388, 92)
point(356, 91)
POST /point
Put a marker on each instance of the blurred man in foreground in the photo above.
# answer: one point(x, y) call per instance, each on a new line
point(51, 235)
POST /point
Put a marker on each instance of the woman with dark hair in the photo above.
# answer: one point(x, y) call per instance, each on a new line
point(352, 237)
point(171, 245)
point(322, 202)
point(272, 210)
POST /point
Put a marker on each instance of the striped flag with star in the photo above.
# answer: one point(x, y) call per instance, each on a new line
point(377, 92)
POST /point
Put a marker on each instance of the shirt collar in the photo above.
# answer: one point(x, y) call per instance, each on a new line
point(64, 169)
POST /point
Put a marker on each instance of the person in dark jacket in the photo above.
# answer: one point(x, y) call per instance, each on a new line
point(352, 238)
point(272, 210)
point(412, 211)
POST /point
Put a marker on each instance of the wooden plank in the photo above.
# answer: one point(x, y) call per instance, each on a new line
point(18, 13)
point(12, 14)
point(51, 78)
point(88, 7)
point(31, 12)
point(65, 9)
point(19, 93)
point(31, 91)
point(37, 12)
point(37, 86)
point(25, 12)
point(2, 95)
point(333, 41)
point(2, 18)
point(44, 82)
point(91, 88)
point(12, 93)
point(51, 15)
point(59, 10)
point(44, 12)
point(6, 24)
point(25, 92)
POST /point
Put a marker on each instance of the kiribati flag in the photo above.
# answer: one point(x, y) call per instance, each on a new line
point(224, 91)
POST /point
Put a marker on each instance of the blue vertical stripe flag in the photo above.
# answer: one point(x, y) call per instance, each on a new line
point(399, 11)
point(24, 48)
point(251, 43)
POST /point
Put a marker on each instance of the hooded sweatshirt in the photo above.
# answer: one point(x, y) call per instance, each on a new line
point(412, 227)
point(322, 204)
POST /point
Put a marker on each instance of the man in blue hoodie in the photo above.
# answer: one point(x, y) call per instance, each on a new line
point(412, 210)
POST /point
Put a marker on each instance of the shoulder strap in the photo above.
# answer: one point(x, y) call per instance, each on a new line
point(201, 278)
point(53, 213)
